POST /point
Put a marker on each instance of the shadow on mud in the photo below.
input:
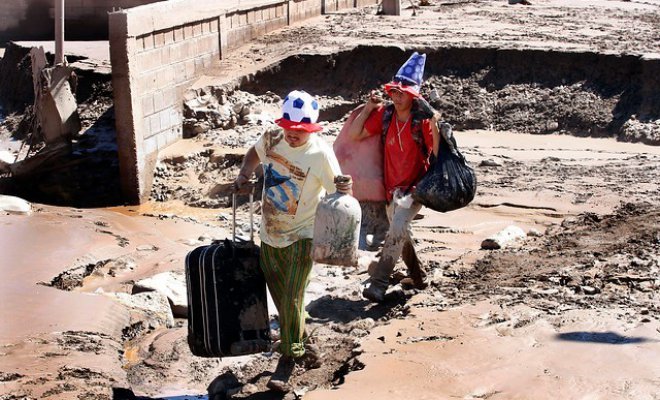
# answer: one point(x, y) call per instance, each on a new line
point(328, 308)
point(600, 337)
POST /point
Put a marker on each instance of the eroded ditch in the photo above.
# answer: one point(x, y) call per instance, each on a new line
point(528, 91)
point(531, 91)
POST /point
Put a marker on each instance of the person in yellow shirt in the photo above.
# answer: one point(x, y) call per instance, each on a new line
point(299, 167)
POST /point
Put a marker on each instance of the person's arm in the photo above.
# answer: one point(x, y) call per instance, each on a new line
point(357, 130)
point(250, 162)
point(436, 134)
point(329, 170)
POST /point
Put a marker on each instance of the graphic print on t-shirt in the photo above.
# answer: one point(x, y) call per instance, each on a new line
point(283, 192)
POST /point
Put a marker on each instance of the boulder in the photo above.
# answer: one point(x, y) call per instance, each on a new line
point(172, 286)
point(503, 238)
point(149, 309)
point(15, 205)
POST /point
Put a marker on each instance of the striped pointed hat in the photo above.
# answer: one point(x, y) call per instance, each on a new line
point(409, 77)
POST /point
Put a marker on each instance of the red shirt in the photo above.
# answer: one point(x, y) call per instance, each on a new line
point(404, 161)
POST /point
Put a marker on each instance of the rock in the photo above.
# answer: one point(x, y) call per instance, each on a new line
point(217, 158)
point(189, 242)
point(489, 163)
point(222, 384)
point(634, 130)
point(249, 389)
point(434, 95)
point(551, 159)
point(172, 286)
point(590, 290)
point(192, 128)
point(534, 233)
point(15, 205)
point(359, 333)
point(237, 107)
point(551, 126)
point(506, 236)
point(7, 157)
point(365, 324)
point(119, 265)
point(153, 308)
point(146, 247)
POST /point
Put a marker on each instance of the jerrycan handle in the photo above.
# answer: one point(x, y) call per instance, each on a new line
point(344, 184)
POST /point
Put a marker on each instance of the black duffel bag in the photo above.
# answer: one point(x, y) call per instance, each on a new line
point(450, 183)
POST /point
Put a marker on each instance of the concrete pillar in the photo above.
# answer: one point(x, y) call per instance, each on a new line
point(392, 7)
point(129, 135)
point(59, 32)
point(223, 29)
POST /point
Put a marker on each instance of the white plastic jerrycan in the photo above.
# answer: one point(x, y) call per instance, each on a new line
point(337, 226)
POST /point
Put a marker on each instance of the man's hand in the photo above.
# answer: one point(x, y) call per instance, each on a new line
point(240, 183)
point(374, 102)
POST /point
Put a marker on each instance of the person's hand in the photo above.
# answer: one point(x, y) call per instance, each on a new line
point(239, 183)
point(374, 101)
point(445, 130)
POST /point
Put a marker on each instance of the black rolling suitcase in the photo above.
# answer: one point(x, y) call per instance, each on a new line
point(227, 306)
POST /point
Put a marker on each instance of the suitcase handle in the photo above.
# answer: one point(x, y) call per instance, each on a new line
point(233, 216)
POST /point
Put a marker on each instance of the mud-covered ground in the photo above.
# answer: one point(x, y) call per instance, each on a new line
point(570, 311)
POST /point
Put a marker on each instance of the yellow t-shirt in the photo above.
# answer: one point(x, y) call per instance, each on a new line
point(295, 180)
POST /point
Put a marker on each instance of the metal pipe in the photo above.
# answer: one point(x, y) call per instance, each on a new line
point(59, 32)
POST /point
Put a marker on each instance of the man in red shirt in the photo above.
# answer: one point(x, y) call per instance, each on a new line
point(410, 139)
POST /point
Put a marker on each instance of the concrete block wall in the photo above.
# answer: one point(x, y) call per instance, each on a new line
point(336, 5)
point(364, 3)
point(300, 10)
point(240, 26)
point(167, 61)
point(158, 50)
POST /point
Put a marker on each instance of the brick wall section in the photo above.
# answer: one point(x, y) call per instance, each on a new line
point(336, 5)
point(300, 10)
point(158, 50)
point(167, 62)
point(240, 26)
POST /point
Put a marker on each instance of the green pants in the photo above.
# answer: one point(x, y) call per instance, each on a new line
point(287, 273)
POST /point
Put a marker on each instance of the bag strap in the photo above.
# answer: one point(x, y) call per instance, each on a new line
point(415, 125)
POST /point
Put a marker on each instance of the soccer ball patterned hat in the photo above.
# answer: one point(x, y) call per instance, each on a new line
point(409, 77)
point(300, 111)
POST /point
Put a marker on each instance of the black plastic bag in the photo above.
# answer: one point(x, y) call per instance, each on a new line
point(450, 183)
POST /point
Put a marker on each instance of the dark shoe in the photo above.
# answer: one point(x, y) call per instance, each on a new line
point(411, 283)
point(374, 292)
point(279, 381)
point(417, 277)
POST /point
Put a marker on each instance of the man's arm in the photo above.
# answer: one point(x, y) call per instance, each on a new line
point(357, 130)
point(436, 134)
point(250, 163)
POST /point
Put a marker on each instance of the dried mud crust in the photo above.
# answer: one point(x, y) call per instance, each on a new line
point(589, 261)
point(85, 366)
point(166, 357)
